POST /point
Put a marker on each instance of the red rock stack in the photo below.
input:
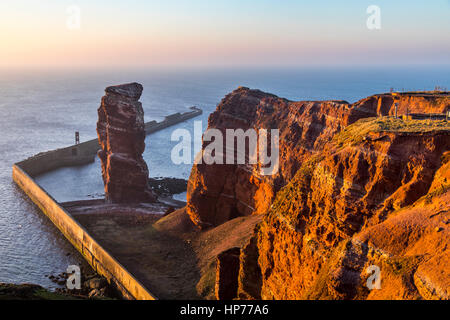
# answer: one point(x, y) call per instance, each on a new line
point(121, 134)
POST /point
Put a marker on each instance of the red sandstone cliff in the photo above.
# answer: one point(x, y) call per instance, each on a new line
point(408, 102)
point(304, 244)
point(217, 193)
point(344, 187)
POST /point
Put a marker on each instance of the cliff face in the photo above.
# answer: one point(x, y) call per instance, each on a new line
point(304, 245)
point(121, 135)
point(410, 248)
point(408, 102)
point(218, 193)
point(354, 189)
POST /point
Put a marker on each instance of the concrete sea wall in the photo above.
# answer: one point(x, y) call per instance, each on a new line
point(100, 259)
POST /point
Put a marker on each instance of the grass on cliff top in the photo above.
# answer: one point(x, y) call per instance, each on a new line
point(356, 132)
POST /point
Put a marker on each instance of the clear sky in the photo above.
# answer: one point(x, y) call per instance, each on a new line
point(223, 32)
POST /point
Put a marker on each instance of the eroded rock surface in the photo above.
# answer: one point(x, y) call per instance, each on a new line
point(355, 188)
point(218, 193)
point(121, 134)
point(305, 247)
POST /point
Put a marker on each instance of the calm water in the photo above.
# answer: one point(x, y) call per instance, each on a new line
point(41, 111)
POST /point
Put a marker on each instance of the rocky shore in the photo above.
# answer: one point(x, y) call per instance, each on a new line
point(93, 287)
point(167, 186)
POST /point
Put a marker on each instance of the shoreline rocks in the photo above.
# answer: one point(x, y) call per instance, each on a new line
point(168, 186)
point(29, 291)
point(92, 286)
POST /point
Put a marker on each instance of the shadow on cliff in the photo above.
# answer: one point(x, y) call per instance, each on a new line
point(206, 246)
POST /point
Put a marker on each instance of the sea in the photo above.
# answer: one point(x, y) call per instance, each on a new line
point(40, 110)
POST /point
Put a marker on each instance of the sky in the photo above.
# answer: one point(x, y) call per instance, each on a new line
point(128, 33)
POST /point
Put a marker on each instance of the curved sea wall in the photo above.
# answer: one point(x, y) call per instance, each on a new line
point(100, 259)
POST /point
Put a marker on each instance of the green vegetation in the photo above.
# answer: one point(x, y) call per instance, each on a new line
point(445, 158)
point(428, 198)
point(358, 131)
point(403, 265)
point(289, 199)
point(320, 289)
point(43, 294)
point(206, 285)
point(29, 292)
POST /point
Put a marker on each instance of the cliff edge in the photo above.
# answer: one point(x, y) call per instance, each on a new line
point(356, 188)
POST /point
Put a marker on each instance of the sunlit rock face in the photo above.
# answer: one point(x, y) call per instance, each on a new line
point(121, 134)
point(218, 193)
point(355, 189)
point(365, 202)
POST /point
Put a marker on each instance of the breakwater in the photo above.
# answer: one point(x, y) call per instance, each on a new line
point(101, 261)
point(85, 152)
